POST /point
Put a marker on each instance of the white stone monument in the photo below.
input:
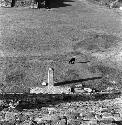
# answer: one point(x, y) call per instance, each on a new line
point(50, 77)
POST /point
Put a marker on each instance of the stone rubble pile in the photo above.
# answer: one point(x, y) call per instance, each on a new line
point(74, 113)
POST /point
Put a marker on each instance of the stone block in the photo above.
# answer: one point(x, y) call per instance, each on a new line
point(120, 8)
point(93, 122)
point(51, 110)
point(9, 116)
point(1, 118)
point(107, 120)
point(61, 122)
point(116, 115)
point(107, 115)
point(90, 116)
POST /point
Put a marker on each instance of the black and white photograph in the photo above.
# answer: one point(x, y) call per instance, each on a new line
point(60, 62)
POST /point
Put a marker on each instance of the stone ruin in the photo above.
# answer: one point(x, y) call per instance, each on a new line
point(49, 86)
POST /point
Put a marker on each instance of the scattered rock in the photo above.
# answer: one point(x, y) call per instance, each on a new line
point(51, 110)
point(74, 113)
point(120, 8)
point(38, 120)
point(107, 115)
point(107, 120)
point(117, 117)
point(44, 83)
point(9, 116)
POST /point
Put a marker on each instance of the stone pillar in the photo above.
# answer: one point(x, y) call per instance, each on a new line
point(50, 77)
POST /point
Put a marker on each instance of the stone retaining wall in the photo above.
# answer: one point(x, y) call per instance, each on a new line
point(18, 2)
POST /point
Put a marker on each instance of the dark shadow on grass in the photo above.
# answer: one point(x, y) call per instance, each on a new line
point(56, 99)
point(59, 3)
point(37, 101)
point(76, 81)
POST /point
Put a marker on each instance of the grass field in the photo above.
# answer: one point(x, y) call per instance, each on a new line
point(32, 40)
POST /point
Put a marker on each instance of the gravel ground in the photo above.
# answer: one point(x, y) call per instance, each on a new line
point(107, 112)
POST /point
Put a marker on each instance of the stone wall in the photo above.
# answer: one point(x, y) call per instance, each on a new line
point(18, 2)
point(23, 2)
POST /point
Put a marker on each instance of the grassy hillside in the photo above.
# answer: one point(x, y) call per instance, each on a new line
point(106, 3)
point(34, 40)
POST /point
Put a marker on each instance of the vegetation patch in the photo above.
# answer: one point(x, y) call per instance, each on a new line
point(111, 77)
point(97, 42)
point(107, 3)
